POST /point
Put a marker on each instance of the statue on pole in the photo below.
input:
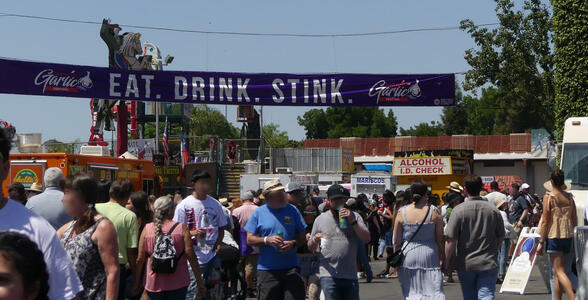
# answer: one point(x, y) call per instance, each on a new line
point(123, 51)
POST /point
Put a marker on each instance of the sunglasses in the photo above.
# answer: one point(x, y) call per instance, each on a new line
point(306, 212)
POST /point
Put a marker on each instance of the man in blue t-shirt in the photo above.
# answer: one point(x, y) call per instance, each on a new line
point(277, 228)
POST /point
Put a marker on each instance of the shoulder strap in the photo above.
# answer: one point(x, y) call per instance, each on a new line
point(173, 228)
point(403, 215)
point(430, 214)
point(419, 228)
point(96, 223)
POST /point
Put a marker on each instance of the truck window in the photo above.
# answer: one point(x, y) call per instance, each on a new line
point(148, 186)
point(575, 164)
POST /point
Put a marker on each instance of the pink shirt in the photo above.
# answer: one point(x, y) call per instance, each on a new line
point(244, 212)
point(166, 282)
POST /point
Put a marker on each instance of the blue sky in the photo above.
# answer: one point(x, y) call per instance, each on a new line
point(69, 118)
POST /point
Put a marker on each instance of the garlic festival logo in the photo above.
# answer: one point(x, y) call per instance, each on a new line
point(27, 177)
point(395, 92)
point(63, 82)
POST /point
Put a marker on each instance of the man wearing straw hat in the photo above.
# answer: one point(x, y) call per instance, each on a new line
point(277, 228)
point(34, 190)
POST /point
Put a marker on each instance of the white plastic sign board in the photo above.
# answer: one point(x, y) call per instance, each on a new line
point(523, 260)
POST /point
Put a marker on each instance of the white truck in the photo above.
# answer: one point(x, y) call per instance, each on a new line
point(574, 161)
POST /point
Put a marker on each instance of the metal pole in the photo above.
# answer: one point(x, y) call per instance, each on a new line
point(158, 67)
point(261, 144)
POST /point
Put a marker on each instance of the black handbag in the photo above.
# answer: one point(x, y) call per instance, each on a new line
point(397, 258)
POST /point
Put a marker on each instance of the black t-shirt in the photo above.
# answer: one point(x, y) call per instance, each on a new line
point(516, 208)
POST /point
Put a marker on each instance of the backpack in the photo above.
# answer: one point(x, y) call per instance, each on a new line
point(163, 259)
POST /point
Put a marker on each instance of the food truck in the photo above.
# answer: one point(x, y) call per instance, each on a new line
point(28, 168)
point(437, 168)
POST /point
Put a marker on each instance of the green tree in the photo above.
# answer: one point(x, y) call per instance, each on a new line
point(336, 122)
point(517, 59)
point(423, 129)
point(206, 122)
point(315, 124)
point(471, 115)
point(570, 26)
point(276, 138)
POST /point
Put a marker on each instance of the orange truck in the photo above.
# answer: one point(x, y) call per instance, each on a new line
point(30, 167)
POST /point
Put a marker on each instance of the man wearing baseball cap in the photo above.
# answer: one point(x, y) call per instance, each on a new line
point(295, 194)
point(277, 228)
point(337, 233)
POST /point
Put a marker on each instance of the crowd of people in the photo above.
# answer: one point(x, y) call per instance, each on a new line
point(83, 239)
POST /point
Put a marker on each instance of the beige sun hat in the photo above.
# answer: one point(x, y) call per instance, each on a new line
point(272, 186)
point(499, 202)
point(225, 202)
point(454, 186)
point(547, 185)
point(36, 187)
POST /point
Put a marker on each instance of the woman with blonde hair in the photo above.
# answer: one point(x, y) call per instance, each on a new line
point(172, 284)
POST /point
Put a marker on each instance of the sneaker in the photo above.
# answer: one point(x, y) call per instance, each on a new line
point(383, 274)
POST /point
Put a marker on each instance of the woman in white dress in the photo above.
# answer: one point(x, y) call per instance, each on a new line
point(420, 274)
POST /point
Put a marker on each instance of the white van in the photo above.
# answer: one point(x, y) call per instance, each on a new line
point(574, 161)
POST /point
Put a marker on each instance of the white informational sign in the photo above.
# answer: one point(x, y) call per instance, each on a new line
point(438, 165)
point(521, 265)
point(372, 183)
point(142, 148)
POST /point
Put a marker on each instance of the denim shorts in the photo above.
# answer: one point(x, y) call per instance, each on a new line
point(559, 245)
point(309, 265)
point(389, 239)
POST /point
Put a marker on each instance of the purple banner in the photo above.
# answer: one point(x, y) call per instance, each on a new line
point(48, 79)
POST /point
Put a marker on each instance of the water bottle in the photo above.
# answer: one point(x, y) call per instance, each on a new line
point(342, 221)
point(205, 223)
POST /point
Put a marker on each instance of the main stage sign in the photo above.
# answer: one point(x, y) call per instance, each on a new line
point(48, 79)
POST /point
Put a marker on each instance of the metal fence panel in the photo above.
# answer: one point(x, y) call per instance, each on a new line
point(317, 160)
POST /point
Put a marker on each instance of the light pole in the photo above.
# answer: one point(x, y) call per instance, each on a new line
point(158, 64)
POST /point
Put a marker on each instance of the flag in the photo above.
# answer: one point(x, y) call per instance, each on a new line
point(165, 144)
point(185, 153)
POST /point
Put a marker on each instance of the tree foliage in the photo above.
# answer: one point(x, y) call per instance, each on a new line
point(472, 115)
point(206, 122)
point(570, 26)
point(276, 138)
point(517, 59)
point(423, 129)
point(336, 122)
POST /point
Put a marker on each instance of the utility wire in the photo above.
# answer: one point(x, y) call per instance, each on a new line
point(247, 33)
